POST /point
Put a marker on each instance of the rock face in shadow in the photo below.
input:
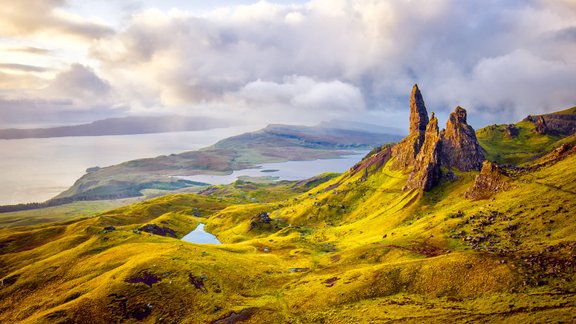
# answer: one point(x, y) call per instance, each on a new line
point(406, 151)
point(426, 172)
point(460, 148)
point(492, 179)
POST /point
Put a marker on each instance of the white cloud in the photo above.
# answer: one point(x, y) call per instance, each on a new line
point(302, 94)
point(25, 17)
point(512, 85)
point(330, 57)
point(73, 94)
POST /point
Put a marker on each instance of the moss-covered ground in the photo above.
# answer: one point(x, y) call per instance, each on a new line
point(353, 248)
point(349, 248)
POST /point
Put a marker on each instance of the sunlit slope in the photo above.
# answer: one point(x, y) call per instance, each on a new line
point(522, 142)
point(353, 249)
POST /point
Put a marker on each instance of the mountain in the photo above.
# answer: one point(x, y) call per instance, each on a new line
point(360, 126)
point(481, 243)
point(122, 126)
point(315, 137)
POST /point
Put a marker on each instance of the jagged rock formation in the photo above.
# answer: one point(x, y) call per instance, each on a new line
point(426, 173)
point(406, 151)
point(427, 150)
point(460, 148)
point(492, 179)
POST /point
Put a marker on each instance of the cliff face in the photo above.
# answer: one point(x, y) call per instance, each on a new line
point(406, 151)
point(426, 172)
point(562, 123)
point(460, 148)
point(427, 150)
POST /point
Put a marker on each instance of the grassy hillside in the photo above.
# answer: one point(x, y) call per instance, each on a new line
point(351, 248)
point(521, 142)
point(61, 213)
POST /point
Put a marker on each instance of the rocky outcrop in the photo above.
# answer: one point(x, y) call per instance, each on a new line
point(157, 230)
point(492, 179)
point(460, 148)
point(427, 150)
point(540, 124)
point(511, 131)
point(562, 123)
point(406, 151)
point(426, 172)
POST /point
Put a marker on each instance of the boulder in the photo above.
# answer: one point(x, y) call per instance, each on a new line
point(157, 230)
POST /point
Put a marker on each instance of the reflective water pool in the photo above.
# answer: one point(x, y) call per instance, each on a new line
point(199, 235)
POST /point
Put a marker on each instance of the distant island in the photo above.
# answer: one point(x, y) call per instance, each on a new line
point(122, 126)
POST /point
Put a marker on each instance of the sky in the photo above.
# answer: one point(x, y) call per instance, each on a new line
point(300, 62)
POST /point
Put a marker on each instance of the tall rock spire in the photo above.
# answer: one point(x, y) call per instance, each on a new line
point(460, 148)
point(406, 151)
point(418, 114)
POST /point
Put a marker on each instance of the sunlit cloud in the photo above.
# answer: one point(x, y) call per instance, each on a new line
point(23, 17)
point(271, 61)
point(22, 67)
point(29, 50)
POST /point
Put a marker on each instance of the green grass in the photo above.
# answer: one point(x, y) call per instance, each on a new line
point(502, 147)
point(338, 249)
point(79, 209)
point(505, 149)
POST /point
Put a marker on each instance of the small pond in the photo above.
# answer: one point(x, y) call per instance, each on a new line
point(200, 236)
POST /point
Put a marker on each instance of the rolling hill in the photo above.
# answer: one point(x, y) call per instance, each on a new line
point(427, 230)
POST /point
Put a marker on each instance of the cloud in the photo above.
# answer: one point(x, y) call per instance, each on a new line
point(16, 82)
point(75, 94)
point(22, 67)
point(509, 86)
point(30, 50)
point(24, 17)
point(15, 112)
point(81, 84)
point(500, 59)
point(296, 96)
point(368, 53)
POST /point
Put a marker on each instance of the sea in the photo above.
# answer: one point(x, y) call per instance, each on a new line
point(35, 170)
